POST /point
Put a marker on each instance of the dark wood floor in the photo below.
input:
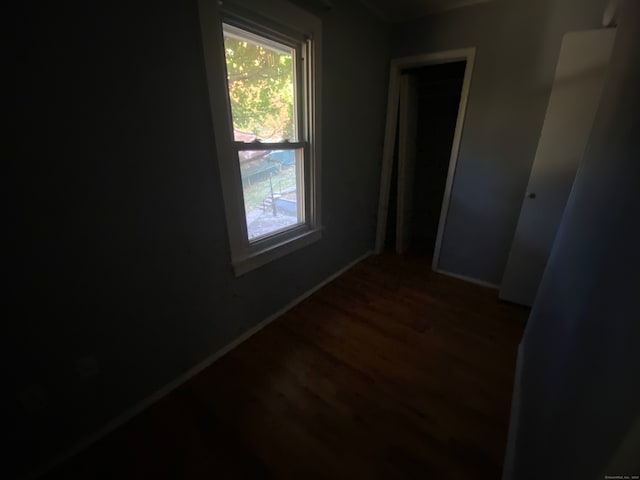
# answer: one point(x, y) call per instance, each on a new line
point(390, 371)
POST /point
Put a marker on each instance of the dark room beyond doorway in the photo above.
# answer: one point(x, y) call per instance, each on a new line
point(436, 94)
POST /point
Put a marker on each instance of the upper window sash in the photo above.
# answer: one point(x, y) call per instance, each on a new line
point(243, 29)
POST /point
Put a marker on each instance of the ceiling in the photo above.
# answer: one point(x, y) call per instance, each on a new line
point(400, 10)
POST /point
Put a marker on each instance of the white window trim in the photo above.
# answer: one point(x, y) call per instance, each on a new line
point(246, 256)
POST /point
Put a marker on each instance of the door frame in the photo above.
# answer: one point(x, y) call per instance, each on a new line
point(397, 65)
point(407, 142)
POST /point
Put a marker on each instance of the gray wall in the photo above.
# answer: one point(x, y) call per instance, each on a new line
point(122, 279)
point(578, 387)
point(517, 42)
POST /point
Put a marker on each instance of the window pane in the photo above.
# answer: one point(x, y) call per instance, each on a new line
point(260, 74)
point(272, 190)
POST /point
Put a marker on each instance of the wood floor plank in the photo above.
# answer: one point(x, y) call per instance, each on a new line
point(390, 371)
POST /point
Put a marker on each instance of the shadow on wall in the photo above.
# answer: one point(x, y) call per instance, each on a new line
point(577, 412)
point(123, 277)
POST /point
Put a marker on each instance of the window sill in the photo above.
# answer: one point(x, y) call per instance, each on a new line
point(261, 257)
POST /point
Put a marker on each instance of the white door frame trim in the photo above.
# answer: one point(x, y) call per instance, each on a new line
point(397, 65)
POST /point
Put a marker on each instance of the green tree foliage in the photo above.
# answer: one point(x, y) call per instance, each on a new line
point(260, 88)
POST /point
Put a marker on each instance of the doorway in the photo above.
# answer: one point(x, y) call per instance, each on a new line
point(427, 103)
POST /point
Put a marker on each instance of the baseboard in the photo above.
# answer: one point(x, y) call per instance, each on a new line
point(469, 279)
point(168, 388)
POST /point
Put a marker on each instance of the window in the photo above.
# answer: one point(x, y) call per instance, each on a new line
point(264, 92)
point(262, 72)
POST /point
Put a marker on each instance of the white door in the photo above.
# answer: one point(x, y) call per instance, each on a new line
point(575, 96)
point(407, 131)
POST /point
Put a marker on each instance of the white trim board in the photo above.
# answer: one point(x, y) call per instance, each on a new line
point(514, 417)
point(397, 65)
point(482, 283)
point(192, 372)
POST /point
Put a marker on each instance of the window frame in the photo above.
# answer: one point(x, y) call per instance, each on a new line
point(284, 23)
point(300, 47)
